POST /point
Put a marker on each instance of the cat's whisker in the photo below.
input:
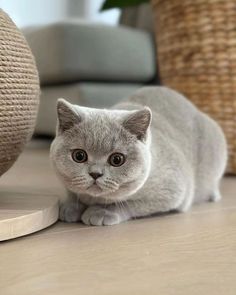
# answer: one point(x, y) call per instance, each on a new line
point(117, 203)
point(129, 208)
point(111, 189)
point(106, 202)
point(122, 206)
point(78, 182)
point(79, 178)
point(111, 183)
point(110, 186)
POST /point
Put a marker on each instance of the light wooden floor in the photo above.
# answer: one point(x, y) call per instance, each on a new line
point(191, 253)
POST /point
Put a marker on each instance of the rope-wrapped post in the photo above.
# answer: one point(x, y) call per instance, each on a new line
point(19, 92)
point(196, 43)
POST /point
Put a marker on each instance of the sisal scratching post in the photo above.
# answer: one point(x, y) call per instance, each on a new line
point(19, 100)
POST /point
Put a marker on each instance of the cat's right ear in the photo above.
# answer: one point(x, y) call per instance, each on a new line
point(67, 116)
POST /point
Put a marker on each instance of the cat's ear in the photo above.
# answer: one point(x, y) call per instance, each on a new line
point(67, 117)
point(138, 122)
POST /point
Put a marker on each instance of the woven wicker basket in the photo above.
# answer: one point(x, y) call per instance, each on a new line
point(197, 56)
point(19, 92)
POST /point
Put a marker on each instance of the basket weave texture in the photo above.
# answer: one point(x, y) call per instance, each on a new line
point(196, 43)
point(19, 92)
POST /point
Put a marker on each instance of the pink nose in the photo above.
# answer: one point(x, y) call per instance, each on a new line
point(95, 175)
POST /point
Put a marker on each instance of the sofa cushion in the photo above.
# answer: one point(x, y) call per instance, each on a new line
point(75, 51)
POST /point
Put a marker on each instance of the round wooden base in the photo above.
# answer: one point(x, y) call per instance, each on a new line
point(22, 214)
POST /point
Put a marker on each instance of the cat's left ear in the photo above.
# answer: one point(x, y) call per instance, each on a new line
point(138, 122)
point(67, 116)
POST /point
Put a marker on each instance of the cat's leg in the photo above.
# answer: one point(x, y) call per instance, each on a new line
point(188, 199)
point(215, 196)
point(100, 215)
point(174, 195)
point(71, 209)
point(207, 188)
point(212, 150)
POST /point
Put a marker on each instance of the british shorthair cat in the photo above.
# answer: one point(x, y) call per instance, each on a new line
point(154, 152)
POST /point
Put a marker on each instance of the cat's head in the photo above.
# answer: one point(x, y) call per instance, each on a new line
point(102, 153)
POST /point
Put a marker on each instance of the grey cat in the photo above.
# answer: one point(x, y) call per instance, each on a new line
point(154, 152)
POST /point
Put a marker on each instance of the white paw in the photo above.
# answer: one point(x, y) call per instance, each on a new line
point(69, 212)
point(96, 215)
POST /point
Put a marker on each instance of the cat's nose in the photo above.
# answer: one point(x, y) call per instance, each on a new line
point(95, 175)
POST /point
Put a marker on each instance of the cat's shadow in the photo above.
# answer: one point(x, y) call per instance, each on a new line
point(159, 214)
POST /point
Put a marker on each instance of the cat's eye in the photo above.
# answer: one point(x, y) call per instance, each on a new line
point(79, 156)
point(116, 159)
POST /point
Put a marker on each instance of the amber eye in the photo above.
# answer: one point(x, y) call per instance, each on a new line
point(79, 156)
point(116, 159)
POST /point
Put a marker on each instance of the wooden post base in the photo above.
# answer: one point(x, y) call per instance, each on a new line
point(23, 214)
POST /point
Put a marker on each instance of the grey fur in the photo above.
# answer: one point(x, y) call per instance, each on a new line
point(173, 162)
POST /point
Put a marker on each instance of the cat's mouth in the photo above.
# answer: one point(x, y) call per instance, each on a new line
point(100, 189)
point(94, 187)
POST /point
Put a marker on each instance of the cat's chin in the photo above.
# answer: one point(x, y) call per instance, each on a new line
point(121, 192)
point(95, 190)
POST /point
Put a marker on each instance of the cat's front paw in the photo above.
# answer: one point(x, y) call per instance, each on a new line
point(96, 215)
point(69, 212)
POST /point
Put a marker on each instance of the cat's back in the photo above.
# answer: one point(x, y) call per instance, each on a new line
point(172, 114)
point(184, 136)
point(163, 101)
